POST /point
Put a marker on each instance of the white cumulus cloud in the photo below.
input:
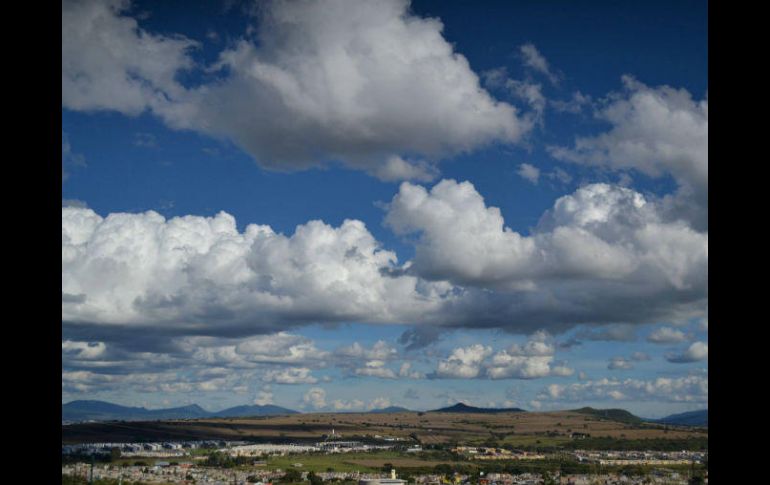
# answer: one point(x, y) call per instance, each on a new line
point(657, 131)
point(463, 363)
point(601, 232)
point(666, 335)
point(376, 368)
point(141, 269)
point(110, 63)
point(365, 83)
point(693, 388)
point(697, 351)
point(196, 275)
point(529, 172)
point(315, 397)
point(263, 397)
point(291, 375)
point(529, 361)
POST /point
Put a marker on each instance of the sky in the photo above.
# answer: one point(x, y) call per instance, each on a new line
point(351, 204)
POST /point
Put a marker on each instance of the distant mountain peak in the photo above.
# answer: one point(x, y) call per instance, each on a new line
point(253, 410)
point(390, 409)
point(461, 407)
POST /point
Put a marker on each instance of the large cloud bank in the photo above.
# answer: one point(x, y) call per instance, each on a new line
point(601, 255)
point(365, 83)
point(692, 388)
point(200, 274)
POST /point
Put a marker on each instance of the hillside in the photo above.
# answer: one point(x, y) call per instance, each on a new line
point(514, 429)
point(690, 418)
point(619, 415)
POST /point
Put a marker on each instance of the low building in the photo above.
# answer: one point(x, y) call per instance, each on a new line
point(383, 481)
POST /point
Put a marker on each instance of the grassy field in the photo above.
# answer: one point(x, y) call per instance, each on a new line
point(363, 462)
point(320, 463)
point(526, 441)
point(338, 462)
point(513, 429)
point(408, 464)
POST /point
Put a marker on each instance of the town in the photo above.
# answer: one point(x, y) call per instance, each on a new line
point(242, 463)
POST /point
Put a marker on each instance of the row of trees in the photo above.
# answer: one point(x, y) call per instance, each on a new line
point(224, 460)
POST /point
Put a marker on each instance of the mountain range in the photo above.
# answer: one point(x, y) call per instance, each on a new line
point(690, 418)
point(105, 411)
point(82, 410)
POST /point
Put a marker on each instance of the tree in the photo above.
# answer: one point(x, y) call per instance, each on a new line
point(114, 453)
point(314, 479)
point(291, 475)
point(548, 479)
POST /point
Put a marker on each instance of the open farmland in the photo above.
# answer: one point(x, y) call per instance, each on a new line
point(425, 428)
point(365, 462)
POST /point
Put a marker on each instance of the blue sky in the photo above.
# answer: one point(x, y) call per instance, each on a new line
point(531, 181)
